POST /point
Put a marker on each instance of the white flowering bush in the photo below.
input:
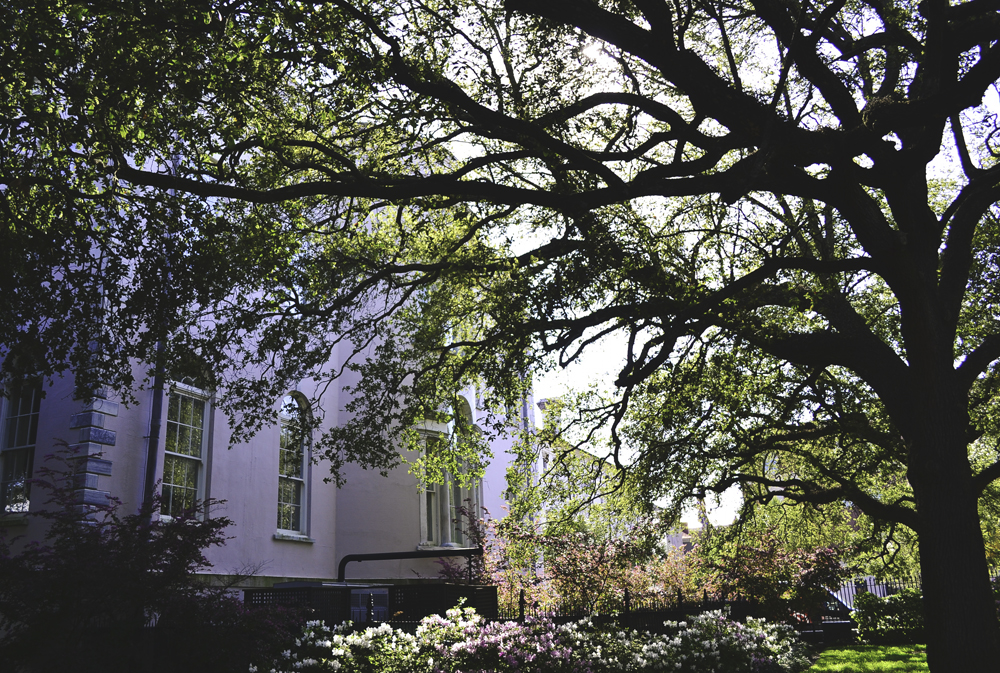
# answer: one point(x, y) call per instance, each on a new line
point(463, 641)
point(711, 643)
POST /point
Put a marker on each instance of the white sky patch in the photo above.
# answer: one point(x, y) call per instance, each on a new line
point(721, 513)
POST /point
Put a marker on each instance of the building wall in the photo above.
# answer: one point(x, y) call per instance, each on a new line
point(371, 513)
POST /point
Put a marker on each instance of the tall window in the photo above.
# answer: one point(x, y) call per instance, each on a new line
point(441, 522)
point(292, 467)
point(18, 448)
point(184, 451)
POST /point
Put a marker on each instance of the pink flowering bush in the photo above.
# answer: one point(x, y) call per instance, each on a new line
point(463, 642)
point(580, 571)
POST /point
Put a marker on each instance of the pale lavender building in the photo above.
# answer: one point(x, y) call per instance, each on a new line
point(287, 523)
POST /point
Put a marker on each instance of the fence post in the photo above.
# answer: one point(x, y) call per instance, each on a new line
point(704, 598)
point(371, 608)
point(680, 598)
point(628, 601)
point(520, 606)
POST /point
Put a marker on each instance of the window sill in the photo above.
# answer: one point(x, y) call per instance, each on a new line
point(434, 546)
point(293, 537)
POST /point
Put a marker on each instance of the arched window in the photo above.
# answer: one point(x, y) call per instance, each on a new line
point(441, 523)
point(292, 466)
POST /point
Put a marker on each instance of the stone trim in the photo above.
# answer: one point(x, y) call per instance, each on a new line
point(293, 537)
point(92, 421)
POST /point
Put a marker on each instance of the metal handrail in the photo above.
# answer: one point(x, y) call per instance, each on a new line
point(467, 552)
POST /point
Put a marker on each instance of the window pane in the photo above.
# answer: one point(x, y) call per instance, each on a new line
point(185, 423)
point(185, 413)
point(289, 503)
point(180, 484)
point(15, 475)
point(22, 431)
point(184, 440)
point(183, 450)
point(18, 448)
point(33, 428)
point(197, 413)
point(431, 515)
point(168, 469)
point(189, 476)
point(291, 457)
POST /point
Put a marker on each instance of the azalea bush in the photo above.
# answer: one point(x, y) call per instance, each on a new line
point(463, 641)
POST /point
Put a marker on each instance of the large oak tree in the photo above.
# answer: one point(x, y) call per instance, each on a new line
point(787, 211)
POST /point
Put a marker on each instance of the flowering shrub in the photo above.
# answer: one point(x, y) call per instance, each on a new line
point(579, 572)
point(463, 641)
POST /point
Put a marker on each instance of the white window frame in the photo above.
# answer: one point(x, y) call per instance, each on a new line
point(201, 461)
point(25, 450)
point(303, 480)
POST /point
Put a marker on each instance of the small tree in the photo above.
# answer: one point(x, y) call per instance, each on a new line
point(477, 532)
point(80, 600)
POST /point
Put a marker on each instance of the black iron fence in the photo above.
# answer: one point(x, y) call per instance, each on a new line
point(879, 587)
point(648, 614)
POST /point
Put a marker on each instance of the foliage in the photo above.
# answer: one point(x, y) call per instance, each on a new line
point(892, 620)
point(572, 568)
point(784, 214)
point(86, 595)
point(666, 576)
point(477, 533)
point(872, 659)
point(586, 571)
point(576, 536)
point(787, 582)
point(462, 641)
point(867, 546)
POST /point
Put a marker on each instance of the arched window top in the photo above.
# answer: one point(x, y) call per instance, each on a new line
point(464, 410)
point(294, 407)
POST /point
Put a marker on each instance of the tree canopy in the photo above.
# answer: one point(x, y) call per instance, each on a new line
point(787, 212)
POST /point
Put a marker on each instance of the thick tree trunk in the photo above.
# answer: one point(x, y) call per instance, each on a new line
point(963, 634)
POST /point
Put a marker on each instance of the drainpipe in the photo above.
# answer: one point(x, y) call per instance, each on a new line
point(155, 421)
point(395, 555)
point(156, 413)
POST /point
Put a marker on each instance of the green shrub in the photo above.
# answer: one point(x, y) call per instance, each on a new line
point(80, 599)
point(896, 619)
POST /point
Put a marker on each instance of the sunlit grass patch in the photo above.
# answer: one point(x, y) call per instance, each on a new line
point(872, 659)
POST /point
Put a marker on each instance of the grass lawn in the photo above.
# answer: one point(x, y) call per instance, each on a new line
point(872, 658)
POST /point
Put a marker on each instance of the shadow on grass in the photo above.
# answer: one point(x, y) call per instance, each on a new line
point(872, 659)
